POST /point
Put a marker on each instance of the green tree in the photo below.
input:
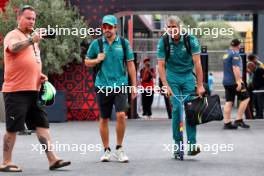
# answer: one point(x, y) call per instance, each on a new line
point(217, 40)
point(188, 21)
point(55, 53)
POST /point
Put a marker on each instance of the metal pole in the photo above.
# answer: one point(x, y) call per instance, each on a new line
point(244, 64)
point(204, 62)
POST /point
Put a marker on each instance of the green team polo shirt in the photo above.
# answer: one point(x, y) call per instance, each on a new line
point(180, 61)
point(113, 72)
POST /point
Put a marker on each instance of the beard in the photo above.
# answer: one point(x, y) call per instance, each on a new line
point(108, 34)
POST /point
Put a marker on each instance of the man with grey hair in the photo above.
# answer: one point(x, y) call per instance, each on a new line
point(176, 62)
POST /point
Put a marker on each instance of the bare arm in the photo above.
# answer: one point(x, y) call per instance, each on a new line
point(132, 72)
point(16, 47)
point(199, 74)
point(92, 62)
point(236, 71)
point(162, 72)
point(198, 69)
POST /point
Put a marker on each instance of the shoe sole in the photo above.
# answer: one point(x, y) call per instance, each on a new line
point(125, 161)
point(194, 154)
point(243, 127)
point(178, 157)
point(106, 160)
point(225, 128)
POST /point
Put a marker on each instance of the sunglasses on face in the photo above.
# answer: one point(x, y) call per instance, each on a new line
point(106, 26)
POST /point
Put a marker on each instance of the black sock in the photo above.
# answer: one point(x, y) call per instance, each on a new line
point(118, 147)
point(108, 148)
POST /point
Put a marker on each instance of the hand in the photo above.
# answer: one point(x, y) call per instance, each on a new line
point(36, 36)
point(168, 91)
point(100, 57)
point(43, 78)
point(42, 32)
point(134, 92)
point(238, 88)
point(200, 90)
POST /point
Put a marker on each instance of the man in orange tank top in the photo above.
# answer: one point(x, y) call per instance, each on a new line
point(22, 81)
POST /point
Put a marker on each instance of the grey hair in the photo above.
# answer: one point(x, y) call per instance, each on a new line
point(174, 19)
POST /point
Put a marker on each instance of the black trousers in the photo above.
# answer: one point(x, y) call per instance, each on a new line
point(147, 100)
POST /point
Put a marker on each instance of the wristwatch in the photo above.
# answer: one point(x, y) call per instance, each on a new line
point(30, 39)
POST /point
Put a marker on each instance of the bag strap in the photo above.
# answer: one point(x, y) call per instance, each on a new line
point(100, 43)
point(166, 43)
point(123, 43)
point(101, 50)
point(187, 43)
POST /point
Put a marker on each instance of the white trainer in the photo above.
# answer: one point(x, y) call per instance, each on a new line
point(106, 157)
point(121, 156)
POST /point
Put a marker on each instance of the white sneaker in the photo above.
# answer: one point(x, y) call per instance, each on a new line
point(106, 157)
point(120, 155)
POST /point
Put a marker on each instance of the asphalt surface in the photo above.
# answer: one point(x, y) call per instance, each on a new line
point(225, 153)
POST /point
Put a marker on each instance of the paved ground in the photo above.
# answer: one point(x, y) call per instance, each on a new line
point(145, 147)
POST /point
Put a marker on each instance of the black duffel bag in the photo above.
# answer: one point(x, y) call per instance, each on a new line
point(203, 109)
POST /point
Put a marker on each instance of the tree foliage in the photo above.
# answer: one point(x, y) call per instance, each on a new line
point(55, 53)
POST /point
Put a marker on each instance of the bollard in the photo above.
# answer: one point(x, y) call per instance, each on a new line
point(244, 64)
point(204, 63)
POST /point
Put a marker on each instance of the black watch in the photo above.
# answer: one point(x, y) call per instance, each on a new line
point(30, 39)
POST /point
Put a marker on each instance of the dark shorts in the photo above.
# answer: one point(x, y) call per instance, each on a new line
point(106, 102)
point(22, 108)
point(231, 92)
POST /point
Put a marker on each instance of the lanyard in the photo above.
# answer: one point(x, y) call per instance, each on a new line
point(27, 38)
